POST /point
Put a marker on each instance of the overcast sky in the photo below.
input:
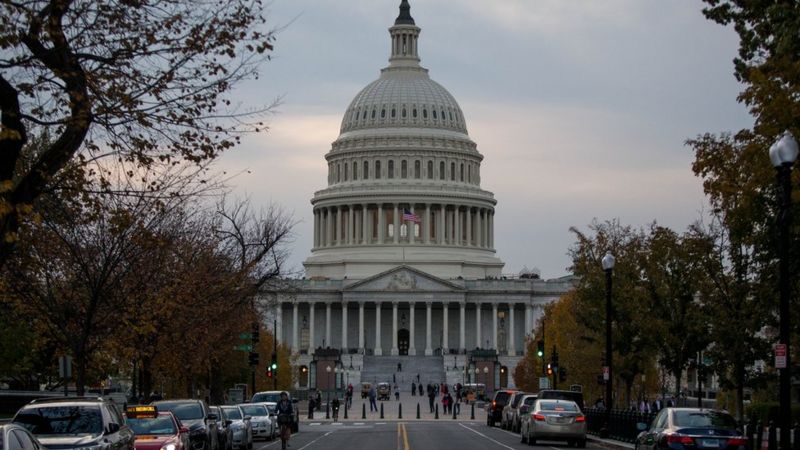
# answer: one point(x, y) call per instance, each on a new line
point(580, 107)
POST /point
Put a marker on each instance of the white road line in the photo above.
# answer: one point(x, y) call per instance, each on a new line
point(359, 423)
point(486, 437)
point(315, 440)
point(314, 424)
point(268, 445)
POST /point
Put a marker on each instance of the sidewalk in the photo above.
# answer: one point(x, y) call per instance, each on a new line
point(609, 443)
point(391, 411)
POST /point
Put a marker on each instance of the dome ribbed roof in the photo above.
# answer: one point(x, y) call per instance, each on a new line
point(404, 98)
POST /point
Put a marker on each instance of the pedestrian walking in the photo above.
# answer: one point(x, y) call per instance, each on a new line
point(413, 389)
point(372, 394)
point(431, 397)
point(419, 388)
point(396, 393)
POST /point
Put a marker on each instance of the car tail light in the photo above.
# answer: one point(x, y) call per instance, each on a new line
point(580, 419)
point(737, 441)
point(494, 403)
point(538, 417)
point(680, 439)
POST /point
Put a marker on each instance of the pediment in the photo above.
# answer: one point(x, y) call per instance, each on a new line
point(404, 278)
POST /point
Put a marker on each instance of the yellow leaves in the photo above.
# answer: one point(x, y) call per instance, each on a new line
point(6, 186)
point(8, 134)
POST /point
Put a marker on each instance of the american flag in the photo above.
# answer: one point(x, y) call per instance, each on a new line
point(409, 216)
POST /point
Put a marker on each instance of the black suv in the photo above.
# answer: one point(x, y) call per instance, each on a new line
point(195, 415)
point(76, 423)
point(494, 411)
point(275, 397)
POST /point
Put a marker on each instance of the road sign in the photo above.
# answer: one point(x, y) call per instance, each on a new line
point(544, 383)
point(65, 367)
point(244, 348)
point(605, 373)
point(245, 336)
point(576, 388)
point(780, 356)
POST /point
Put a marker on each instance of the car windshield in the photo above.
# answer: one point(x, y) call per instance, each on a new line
point(61, 420)
point(529, 400)
point(233, 413)
point(502, 397)
point(271, 408)
point(703, 419)
point(255, 410)
point(161, 425)
point(266, 397)
point(183, 411)
point(558, 406)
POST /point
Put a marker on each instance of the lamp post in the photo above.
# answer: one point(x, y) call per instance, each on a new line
point(329, 370)
point(783, 154)
point(486, 378)
point(608, 266)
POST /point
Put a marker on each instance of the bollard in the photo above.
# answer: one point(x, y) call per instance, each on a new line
point(454, 412)
point(436, 416)
point(772, 437)
point(363, 411)
point(796, 436)
point(345, 411)
point(327, 411)
point(311, 413)
point(417, 410)
point(381, 410)
point(400, 411)
point(472, 413)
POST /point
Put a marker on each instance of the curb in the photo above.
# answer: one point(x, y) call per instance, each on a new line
point(610, 443)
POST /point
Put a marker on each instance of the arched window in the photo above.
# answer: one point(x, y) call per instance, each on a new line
point(430, 170)
point(462, 172)
point(373, 113)
point(355, 171)
point(424, 113)
point(404, 113)
point(394, 113)
point(452, 171)
point(365, 175)
point(417, 169)
point(377, 170)
point(338, 173)
point(365, 114)
point(383, 113)
point(441, 170)
point(391, 169)
point(434, 114)
point(345, 171)
point(469, 173)
point(414, 113)
point(404, 169)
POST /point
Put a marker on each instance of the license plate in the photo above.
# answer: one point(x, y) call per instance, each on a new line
point(561, 420)
point(709, 443)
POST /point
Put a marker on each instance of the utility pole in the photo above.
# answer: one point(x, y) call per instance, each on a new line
point(275, 354)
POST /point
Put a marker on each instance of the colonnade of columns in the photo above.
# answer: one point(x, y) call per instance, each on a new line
point(367, 224)
point(411, 306)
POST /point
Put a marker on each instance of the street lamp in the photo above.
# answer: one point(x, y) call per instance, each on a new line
point(329, 370)
point(608, 266)
point(486, 377)
point(783, 154)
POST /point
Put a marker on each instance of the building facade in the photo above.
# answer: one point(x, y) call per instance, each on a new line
point(403, 263)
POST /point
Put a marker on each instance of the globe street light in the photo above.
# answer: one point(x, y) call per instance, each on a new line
point(608, 266)
point(783, 154)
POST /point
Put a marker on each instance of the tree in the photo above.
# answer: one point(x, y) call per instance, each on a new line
point(143, 82)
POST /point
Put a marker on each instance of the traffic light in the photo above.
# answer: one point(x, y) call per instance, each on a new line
point(554, 357)
point(549, 369)
point(270, 373)
point(253, 358)
point(274, 364)
point(562, 374)
point(540, 349)
point(254, 333)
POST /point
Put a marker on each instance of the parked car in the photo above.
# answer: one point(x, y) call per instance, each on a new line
point(275, 397)
point(15, 437)
point(511, 406)
point(557, 420)
point(365, 388)
point(262, 424)
point(553, 394)
point(691, 428)
point(524, 407)
point(242, 429)
point(224, 430)
point(195, 415)
point(76, 422)
point(384, 391)
point(494, 410)
point(154, 429)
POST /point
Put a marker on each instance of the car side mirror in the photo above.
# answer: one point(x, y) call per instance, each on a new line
point(228, 422)
point(112, 428)
point(184, 430)
point(247, 417)
point(641, 426)
point(212, 416)
point(523, 409)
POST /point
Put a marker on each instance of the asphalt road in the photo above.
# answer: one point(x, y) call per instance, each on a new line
point(410, 435)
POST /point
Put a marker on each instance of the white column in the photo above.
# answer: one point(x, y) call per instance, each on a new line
point(311, 328)
point(316, 228)
point(511, 344)
point(351, 228)
point(445, 343)
point(364, 223)
point(426, 230)
point(528, 319)
point(478, 325)
point(412, 349)
point(468, 218)
point(494, 326)
point(338, 228)
point(410, 225)
point(395, 352)
point(328, 325)
point(378, 350)
point(479, 228)
point(462, 334)
point(428, 349)
point(295, 323)
point(329, 227)
point(441, 226)
point(360, 326)
point(381, 225)
point(321, 230)
point(457, 230)
point(396, 224)
point(344, 326)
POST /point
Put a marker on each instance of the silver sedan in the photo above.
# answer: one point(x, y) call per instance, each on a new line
point(558, 420)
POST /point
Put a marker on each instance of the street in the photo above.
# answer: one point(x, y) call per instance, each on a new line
point(406, 435)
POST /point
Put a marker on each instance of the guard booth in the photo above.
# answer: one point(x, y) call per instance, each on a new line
point(326, 370)
point(483, 368)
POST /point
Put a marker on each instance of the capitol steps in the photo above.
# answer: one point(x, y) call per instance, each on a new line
point(379, 369)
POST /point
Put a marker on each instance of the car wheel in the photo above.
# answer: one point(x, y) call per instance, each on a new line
point(531, 440)
point(570, 443)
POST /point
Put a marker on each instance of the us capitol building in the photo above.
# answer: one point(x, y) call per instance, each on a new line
point(403, 269)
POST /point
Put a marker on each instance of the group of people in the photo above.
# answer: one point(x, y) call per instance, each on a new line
point(440, 389)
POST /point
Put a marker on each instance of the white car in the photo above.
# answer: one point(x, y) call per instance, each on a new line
point(241, 426)
point(262, 425)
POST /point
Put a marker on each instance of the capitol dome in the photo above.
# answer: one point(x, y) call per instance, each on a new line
point(403, 180)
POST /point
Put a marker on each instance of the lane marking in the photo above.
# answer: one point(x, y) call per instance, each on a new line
point(399, 434)
point(405, 437)
point(315, 440)
point(486, 437)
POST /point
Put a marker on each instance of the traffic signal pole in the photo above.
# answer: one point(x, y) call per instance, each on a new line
point(275, 353)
